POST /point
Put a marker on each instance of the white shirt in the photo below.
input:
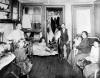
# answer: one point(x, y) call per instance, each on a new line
point(57, 35)
point(16, 35)
point(94, 55)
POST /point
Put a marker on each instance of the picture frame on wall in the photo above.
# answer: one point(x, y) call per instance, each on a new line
point(15, 13)
point(15, 10)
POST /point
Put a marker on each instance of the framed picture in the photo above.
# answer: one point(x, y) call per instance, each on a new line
point(15, 10)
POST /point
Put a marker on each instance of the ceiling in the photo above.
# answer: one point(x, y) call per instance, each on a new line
point(43, 1)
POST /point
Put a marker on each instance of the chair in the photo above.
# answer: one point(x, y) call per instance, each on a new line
point(1, 36)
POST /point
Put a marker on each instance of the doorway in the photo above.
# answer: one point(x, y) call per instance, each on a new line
point(54, 19)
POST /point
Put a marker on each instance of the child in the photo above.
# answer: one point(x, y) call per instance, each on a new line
point(21, 57)
point(77, 41)
point(94, 54)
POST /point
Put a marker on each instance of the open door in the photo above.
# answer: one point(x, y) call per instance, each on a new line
point(54, 19)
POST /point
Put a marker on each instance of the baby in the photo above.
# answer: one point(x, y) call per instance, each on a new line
point(77, 41)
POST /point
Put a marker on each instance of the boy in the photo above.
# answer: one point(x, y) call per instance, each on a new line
point(94, 54)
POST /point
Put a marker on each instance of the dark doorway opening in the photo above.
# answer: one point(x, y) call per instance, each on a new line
point(54, 19)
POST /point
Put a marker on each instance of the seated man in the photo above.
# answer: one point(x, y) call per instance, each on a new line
point(16, 34)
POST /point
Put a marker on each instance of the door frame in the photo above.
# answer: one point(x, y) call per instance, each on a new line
point(53, 6)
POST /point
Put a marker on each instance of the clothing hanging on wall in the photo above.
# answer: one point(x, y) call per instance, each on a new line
point(54, 23)
point(50, 34)
point(58, 21)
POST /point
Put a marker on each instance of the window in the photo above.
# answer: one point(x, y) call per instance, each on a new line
point(82, 19)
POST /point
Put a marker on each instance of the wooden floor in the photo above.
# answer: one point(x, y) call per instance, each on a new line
point(45, 67)
point(51, 67)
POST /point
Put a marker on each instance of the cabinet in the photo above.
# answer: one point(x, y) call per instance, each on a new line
point(33, 14)
point(5, 9)
point(34, 23)
point(8, 11)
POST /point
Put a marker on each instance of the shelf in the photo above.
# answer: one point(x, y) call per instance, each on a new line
point(4, 11)
point(8, 21)
point(4, 3)
point(32, 30)
point(7, 10)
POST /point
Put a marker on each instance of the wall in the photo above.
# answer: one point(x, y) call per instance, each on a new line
point(6, 28)
point(82, 1)
point(68, 4)
point(97, 18)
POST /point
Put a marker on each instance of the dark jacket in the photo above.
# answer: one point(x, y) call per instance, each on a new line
point(84, 46)
point(64, 37)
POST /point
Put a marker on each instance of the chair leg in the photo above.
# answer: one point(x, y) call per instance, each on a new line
point(95, 74)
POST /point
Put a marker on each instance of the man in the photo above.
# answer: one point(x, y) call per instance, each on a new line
point(63, 40)
point(16, 34)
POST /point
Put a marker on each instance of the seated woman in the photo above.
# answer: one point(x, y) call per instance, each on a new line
point(94, 56)
point(84, 47)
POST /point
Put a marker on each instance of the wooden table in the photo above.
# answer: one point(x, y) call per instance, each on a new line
point(6, 59)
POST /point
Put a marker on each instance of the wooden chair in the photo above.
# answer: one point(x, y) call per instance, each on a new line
point(1, 36)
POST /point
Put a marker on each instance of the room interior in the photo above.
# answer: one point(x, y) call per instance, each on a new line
point(69, 15)
point(35, 17)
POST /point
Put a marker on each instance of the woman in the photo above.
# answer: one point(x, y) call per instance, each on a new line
point(94, 54)
point(63, 41)
point(84, 47)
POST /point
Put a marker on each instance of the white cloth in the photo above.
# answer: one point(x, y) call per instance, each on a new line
point(26, 21)
point(6, 60)
point(16, 35)
point(94, 55)
point(41, 49)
